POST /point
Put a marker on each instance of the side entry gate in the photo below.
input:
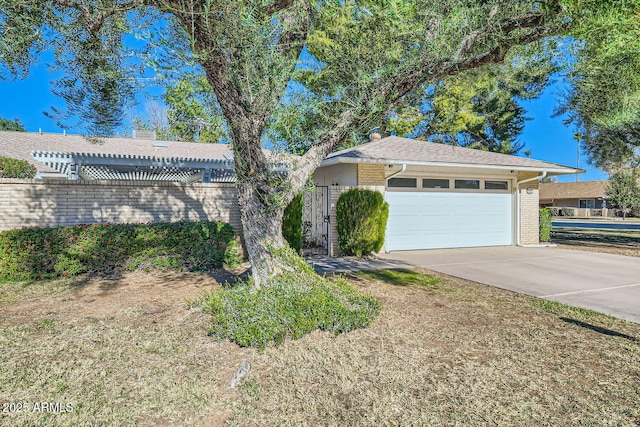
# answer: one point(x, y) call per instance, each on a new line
point(315, 222)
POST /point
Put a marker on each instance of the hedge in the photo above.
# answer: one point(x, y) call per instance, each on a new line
point(361, 220)
point(14, 168)
point(292, 223)
point(545, 224)
point(44, 253)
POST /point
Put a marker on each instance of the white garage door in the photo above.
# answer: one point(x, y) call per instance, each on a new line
point(430, 220)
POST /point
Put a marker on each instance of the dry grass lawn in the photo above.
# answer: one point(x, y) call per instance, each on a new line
point(444, 351)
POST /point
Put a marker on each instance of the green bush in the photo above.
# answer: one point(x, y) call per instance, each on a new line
point(545, 224)
point(292, 223)
point(291, 305)
point(42, 253)
point(569, 212)
point(14, 168)
point(361, 220)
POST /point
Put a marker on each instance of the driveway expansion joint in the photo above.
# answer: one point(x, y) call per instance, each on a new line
point(591, 290)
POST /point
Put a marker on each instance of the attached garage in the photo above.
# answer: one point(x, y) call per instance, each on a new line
point(431, 220)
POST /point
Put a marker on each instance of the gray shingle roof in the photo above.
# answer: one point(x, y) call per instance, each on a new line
point(394, 149)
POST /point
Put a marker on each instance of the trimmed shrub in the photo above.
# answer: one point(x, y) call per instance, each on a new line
point(14, 168)
point(569, 212)
point(361, 220)
point(43, 253)
point(290, 305)
point(555, 211)
point(292, 223)
point(545, 224)
point(635, 211)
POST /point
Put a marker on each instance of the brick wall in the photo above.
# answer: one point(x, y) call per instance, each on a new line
point(370, 175)
point(529, 206)
point(334, 193)
point(25, 203)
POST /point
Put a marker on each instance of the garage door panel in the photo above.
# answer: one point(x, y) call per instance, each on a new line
point(447, 220)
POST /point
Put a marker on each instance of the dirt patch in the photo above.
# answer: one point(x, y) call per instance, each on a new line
point(445, 352)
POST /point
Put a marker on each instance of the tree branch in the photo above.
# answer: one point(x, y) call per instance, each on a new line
point(394, 88)
point(279, 5)
point(94, 23)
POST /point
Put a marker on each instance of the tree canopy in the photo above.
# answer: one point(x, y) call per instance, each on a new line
point(604, 100)
point(478, 108)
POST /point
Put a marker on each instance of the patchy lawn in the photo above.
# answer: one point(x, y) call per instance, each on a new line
point(443, 351)
point(620, 242)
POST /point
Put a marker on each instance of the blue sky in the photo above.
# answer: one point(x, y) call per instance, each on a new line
point(547, 137)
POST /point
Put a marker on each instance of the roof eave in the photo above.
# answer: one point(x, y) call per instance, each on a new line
point(560, 170)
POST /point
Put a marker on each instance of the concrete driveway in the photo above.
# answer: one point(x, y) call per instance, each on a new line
point(602, 282)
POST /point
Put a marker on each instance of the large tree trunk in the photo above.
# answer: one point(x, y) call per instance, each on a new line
point(262, 230)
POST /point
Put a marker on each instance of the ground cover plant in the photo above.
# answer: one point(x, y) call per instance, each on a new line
point(291, 305)
point(620, 242)
point(48, 252)
point(443, 351)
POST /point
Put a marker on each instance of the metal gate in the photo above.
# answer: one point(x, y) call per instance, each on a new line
point(315, 222)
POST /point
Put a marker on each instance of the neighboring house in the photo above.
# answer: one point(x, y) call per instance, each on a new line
point(440, 196)
point(581, 195)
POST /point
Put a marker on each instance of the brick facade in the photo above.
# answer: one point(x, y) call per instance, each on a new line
point(369, 175)
point(529, 208)
point(25, 203)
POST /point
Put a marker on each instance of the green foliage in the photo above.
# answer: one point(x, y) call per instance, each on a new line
point(478, 108)
point(361, 217)
point(11, 125)
point(604, 101)
point(291, 305)
point(43, 253)
point(14, 168)
point(192, 113)
point(292, 223)
point(545, 224)
point(623, 191)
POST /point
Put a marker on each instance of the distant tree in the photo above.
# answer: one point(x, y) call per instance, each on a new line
point(13, 125)
point(548, 180)
point(191, 113)
point(623, 191)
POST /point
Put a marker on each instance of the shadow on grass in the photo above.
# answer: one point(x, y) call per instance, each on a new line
point(599, 329)
point(400, 277)
point(596, 238)
point(230, 278)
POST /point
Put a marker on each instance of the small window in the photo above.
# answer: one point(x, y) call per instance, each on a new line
point(435, 183)
point(496, 185)
point(587, 204)
point(468, 184)
point(403, 182)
